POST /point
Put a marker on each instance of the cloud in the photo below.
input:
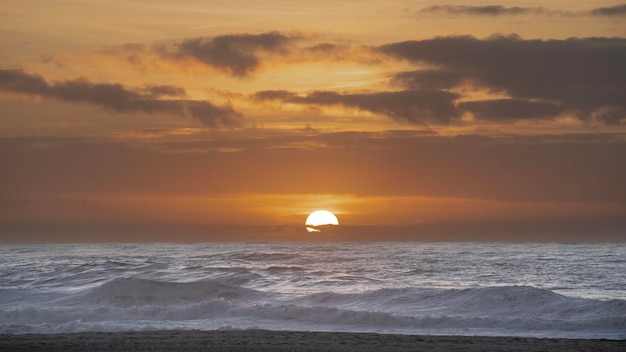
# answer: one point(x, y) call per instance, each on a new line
point(576, 167)
point(490, 10)
point(510, 109)
point(619, 10)
point(237, 54)
point(499, 10)
point(415, 106)
point(120, 98)
point(441, 78)
point(154, 133)
point(163, 91)
point(584, 76)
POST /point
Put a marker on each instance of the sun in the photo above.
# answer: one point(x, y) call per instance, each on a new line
point(320, 218)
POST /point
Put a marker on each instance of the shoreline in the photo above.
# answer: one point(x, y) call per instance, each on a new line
point(269, 340)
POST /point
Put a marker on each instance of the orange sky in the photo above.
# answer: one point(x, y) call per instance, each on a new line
point(202, 121)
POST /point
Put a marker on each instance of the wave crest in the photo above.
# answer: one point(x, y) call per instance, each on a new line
point(135, 303)
point(135, 291)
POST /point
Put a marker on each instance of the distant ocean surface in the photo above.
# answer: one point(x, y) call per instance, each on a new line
point(540, 290)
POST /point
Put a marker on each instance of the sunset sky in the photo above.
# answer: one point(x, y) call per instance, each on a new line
point(233, 120)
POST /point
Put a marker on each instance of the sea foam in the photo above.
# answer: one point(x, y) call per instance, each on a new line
point(402, 289)
point(516, 310)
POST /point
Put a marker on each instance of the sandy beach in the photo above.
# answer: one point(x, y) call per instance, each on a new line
point(262, 340)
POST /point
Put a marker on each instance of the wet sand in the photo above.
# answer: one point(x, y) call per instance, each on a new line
point(262, 340)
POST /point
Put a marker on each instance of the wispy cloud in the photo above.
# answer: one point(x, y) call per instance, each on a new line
point(511, 109)
point(237, 54)
point(619, 10)
point(525, 79)
point(490, 10)
point(121, 99)
point(522, 168)
point(500, 10)
point(415, 106)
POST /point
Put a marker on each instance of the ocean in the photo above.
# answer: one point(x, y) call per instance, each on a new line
point(490, 289)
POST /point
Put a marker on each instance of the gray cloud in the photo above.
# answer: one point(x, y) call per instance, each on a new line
point(619, 10)
point(121, 99)
point(429, 79)
point(164, 91)
point(499, 10)
point(237, 54)
point(510, 109)
point(577, 167)
point(585, 76)
point(490, 10)
point(415, 106)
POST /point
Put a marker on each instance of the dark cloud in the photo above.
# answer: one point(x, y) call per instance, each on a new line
point(326, 48)
point(584, 76)
point(490, 10)
point(619, 10)
point(577, 167)
point(212, 115)
point(282, 95)
point(119, 98)
point(429, 79)
point(415, 106)
point(237, 54)
point(164, 91)
point(510, 109)
point(21, 82)
point(499, 10)
point(572, 229)
point(328, 51)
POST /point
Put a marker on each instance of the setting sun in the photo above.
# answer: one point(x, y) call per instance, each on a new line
point(320, 218)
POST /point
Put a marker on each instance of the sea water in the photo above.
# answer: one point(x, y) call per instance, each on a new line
point(541, 290)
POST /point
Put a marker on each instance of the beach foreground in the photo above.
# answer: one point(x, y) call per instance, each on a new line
point(263, 340)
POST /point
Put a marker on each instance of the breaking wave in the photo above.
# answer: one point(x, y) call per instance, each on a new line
point(135, 303)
